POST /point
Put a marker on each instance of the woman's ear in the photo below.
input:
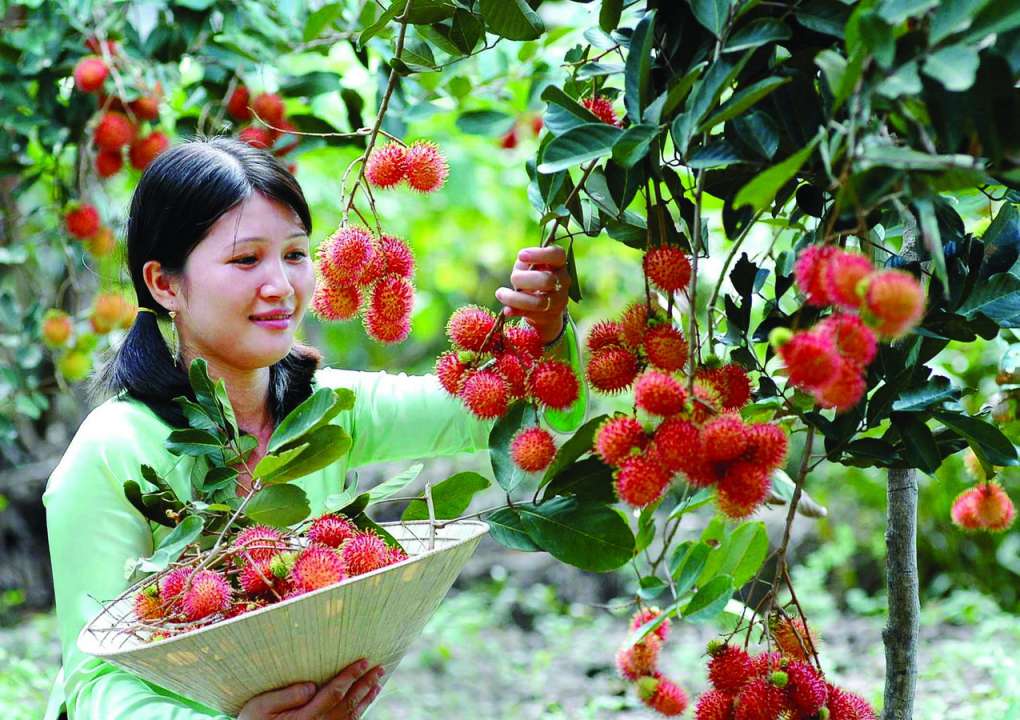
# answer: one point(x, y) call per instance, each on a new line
point(162, 285)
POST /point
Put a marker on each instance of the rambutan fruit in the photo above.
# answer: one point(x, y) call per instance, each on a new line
point(109, 162)
point(729, 668)
point(641, 617)
point(330, 302)
point(665, 347)
point(812, 360)
point(426, 169)
point(485, 394)
point(730, 381)
point(258, 542)
point(364, 553)
point(845, 705)
point(237, 104)
point(705, 403)
point(532, 449)
point(395, 555)
point(677, 444)
point(57, 328)
point(107, 310)
point(759, 699)
point(386, 328)
point(604, 333)
point(853, 339)
point(386, 165)
point(468, 327)
point(792, 637)
point(724, 438)
point(90, 73)
point(639, 659)
point(318, 566)
point(766, 663)
point(805, 689)
point(392, 297)
point(742, 488)
point(82, 221)
point(662, 695)
point(207, 593)
point(397, 255)
point(331, 530)
point(612, 369)
point(633, 323)
point(171, 587)
point(668, 268)
point(767, 445)
point(659, 394)
point(984, 507)
point(145, 150)
point(894, 302)
point(617, 438)
point(147, 604)
point(602, 108)
point(256, 579)
point(450, 371)
point(514, 372)
point(841, 275)
point(640, 480)
point(345, 254)
point(810, 272)
point(257, 137)
point(147, 106)
point(553, 383)
point(114, 131)
point(269, 107)
point(845, 390)
point(102, 243)
point(523, 340)
point(714, 705)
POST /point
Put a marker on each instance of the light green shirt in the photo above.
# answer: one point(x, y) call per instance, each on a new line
point(94, 530)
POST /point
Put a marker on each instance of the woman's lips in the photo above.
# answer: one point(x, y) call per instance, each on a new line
point(273, 321)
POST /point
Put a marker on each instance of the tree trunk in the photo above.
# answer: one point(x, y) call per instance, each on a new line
point(900, 634)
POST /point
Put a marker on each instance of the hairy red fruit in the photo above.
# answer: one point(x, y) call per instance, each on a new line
point(524, 340)
point(714, 705)
point(102, 244)
point(107, 311)
point(767, 663)
point(145, 150)
point(767, 445)
point(237, 104)
point(316, 567)
point(514, 372)
point(677, 444)
point(114, 131)
point(845, 705)
point(364, 553)
point(724, 437)
point(256, 579)
point(706, 402)
point(468, 327)
point(147, 604)
point(208, 593)
point(984, 507)
point(257, 137)
point(666, 348)
point(759, 699)
point(729, 668)
point(663, 696)
point(618, 437)
point(845, 390)
point(805, 689)
point(742, 488)
point(109, 162)
point(641, 480)
point(344, 256)
point(450, 372)
point(659, 394)
point(330, 302)
point(639, 659)
point(146, 107)
point(396, 555)
point(57, 328)
point(386, 166)
point(842, 274)
point(331, 530)
point(397, 255)
point(83, 221)
point(603, 334)
point(792, 637)
point(258, 543)
point(485, 394)
point(509, 139)
point(810, 272)
point(386, 328)
point(730, 382)
point(171, 587)
point(633, 323)
point(602, 108)
point(612, 369)
point(894, 301)
point(532, 449)
point(392, 297)
point(553, 384)
point(641, 617)
point(426, 169)
point(90, 74)
point(854, 340)
point(269, 107)
point(668, 268)
point(812, 360)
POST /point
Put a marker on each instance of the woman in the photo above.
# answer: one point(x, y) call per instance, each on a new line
point(218, 242)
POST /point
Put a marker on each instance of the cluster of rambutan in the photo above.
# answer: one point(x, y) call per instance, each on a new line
point(263, 566)
point(358, 269)
point(602, 108)
point(639, 663)
point(119, 121)
point(984, 507)
point(420, 164)
point(276, 134)
point(772, 686)
point(494, 363)
point(830, 359)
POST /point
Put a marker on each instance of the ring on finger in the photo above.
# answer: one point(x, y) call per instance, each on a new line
point(548, 303)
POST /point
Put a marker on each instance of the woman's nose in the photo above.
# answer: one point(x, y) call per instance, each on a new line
point(277, 283)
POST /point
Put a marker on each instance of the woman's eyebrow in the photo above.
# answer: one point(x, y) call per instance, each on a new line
point(260, 239)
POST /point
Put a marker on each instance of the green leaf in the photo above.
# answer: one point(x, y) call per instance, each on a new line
point(712, 14)
point(904, 81)
point(646, 528)
point(688, 566)
point(756, 33)
point(450, 498)
point(322, 447)
point(578, 444)
point(153, 505)
point(745, 551)
point(589, 479)
point(379, 25)
point(394, 484)
point(579, 144)
point(313, 84)
point(824, 16)
point(564, 112)
point(218, 478)
point(933, 240)
point(484, 122)
point(919, 446)
point(710, 600)
point(597, 69)
point(278, 506)
point(760, 192)
point(507, 528)
point(273, 461)
point(699, 499)
point(598, 190)
point(590, 536)
point(198, 418)
point(512, 19)
point(609, 14)
point(997, 298)
point(741, 101)
point(507, 474)
point(466, 31)
point(322, 18)
point(639, 62)
point(999, 16)
point(205, 391)
point(953, 16)
point(984, 437)
point(896, 11)
point(933, 393)
point(954, 66)
point(195, 443)
point(417, 55)
point(173, 545)
point(320, 407)
point(651, 587)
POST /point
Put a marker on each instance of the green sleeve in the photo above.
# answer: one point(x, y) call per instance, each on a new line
point(93, 531)
point(402, 417)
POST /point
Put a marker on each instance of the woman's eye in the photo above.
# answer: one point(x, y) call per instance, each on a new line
point(297, 255)
point(245, 260)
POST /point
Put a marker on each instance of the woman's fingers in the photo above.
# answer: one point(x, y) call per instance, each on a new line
point(277, 701)
point(357, 698)
point(539, 280)
point(554, 256)
point(334, 693)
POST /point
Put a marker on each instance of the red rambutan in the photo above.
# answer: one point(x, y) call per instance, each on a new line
point(109, 162)
point(665, 347)
point(532, 449)
point(853, 339)
point(641, 480)
point(269, 107)
point(662, 695)
point(208, 592)
point(318, 566)
point(553, 384)
point(237, 104)
point(468, 327)
point(258, 542)
point(604, 333)
point(612, 369)
point(485, 394)
point(618, 437)
point(426, 168)
point(524, 340)
point(364, 553)
point(741, 488)
point(330, 302)
point(805, 689)
point(633, 323)
point(894, 301)
point(714, 705)
point(767, 445)
point(641, 617)
point(810, 271)
point(83, 221)
point(668, 268)
point(841, 275)
point(659, 394)
point(514, 372)
point(331, 530)
point(90, 73)
point(731, 382)
point(397, 255)
point(729, 668)
point(145, 150)
point(677, 444)
point(386, 165)
point(256, 579)
point(171, 587)
point(114, 131)
point(602, 108)
point(724, 438)
point(845, 705)
point(386, 328)
point(759, 699)
point(812, 360)
point(257, 137)
point(392, 297)
point(147, 604)
point(345, 254)
point(845, 390)
point(639, 659)
point(792, 637)
point(984, 507)
point(450, 371)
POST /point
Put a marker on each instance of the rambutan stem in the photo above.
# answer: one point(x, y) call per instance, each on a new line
point(692, 333)
point(737, 242)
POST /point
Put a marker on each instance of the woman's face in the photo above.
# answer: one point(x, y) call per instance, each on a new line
point(245, 287)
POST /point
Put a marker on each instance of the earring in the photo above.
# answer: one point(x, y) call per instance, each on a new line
point(174, 342)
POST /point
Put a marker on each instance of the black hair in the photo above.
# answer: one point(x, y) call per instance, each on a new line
point(181, 194)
